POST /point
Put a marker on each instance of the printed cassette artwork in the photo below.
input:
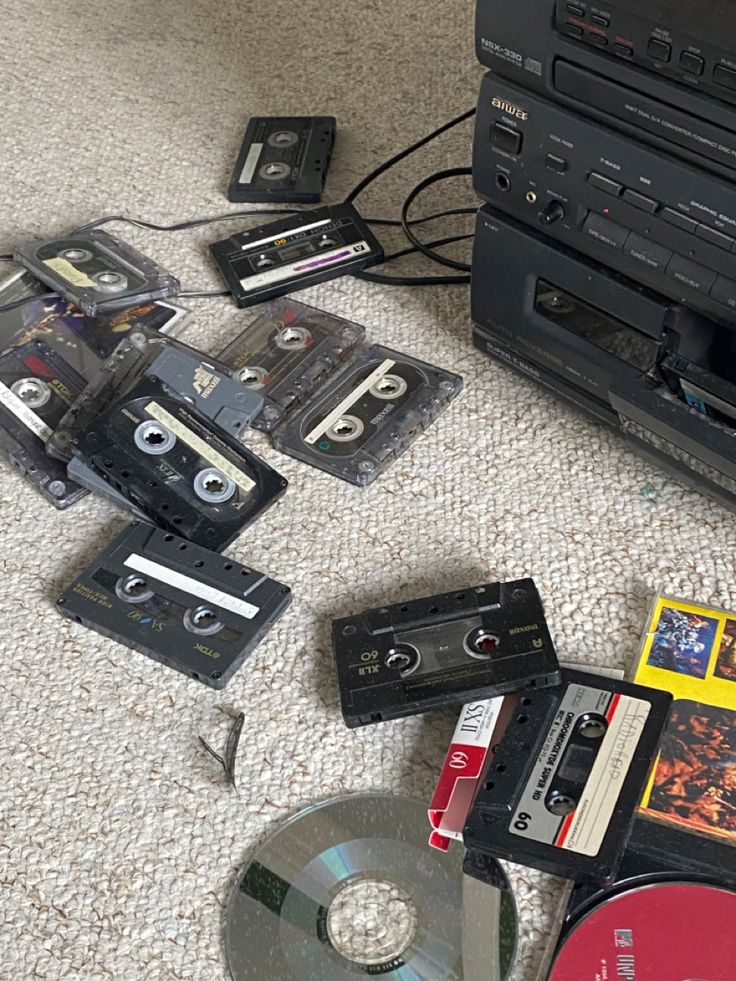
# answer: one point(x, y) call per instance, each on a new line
point(369, 415)
point(568, 774)
point(283, 158)
point(36, 388)
point(186, 474)
point(97, 272)
point(182, 605)
point(287, 353)
point(441, 650)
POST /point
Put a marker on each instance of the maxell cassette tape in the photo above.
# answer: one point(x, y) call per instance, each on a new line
point(185, 606)
point(370, 414)
point(283, 159)
point(568, 775)
point(287, 353)
point(185, 372)
point(179, 468)
point(293, 253)
point(36, 387)
point(97, 272)
point(441, 650)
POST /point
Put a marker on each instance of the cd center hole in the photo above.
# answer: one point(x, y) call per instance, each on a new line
point(372, 921)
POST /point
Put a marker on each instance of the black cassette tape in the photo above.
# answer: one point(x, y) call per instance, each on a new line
point(441, 650)
point(179, 468)
point(97, 272)
point(293, 253)
point(369, 415)
point(568, 776)
point(283, 159)
point(180, 604)
point(202, 383)
point(287, 353)
point(36, 388)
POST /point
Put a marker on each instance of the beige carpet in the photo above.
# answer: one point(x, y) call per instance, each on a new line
point(119, 842)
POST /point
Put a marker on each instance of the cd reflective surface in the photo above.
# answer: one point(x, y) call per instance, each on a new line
point(350, 888)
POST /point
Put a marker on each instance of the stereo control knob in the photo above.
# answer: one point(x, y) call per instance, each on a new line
point(552, 213)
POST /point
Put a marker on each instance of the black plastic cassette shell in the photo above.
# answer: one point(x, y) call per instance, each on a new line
point(382, 694)
point(233, 255)
point(131, 472)
point(205, 658)
point(307, 160)
point(515, 760)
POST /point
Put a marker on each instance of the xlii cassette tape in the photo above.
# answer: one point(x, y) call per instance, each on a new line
point(36, 389)
point(283, 159)
point(199, 381)
point(367, 416)
point(97, 272)
point(292, 253)
point(441, 650)
point(568, 775)
point(180, 604)
point(287, 353)
point(184, 472)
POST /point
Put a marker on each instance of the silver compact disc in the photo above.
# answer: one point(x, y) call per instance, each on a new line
point(350, 888)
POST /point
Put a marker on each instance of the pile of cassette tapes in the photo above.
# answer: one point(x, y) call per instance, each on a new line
point(550, 767)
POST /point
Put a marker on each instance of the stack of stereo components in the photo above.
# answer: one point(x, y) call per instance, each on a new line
point(605, 256)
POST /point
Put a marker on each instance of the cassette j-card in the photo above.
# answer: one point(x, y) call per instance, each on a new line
point(97, 272)
point(568, 775)
point(179, 468)
point(185, 606)
point(36, 389)
point(441, 650)
point(368, 415)
point(283, 159)
point(292, 253)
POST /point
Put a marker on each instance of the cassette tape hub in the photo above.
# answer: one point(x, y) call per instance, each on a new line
point(568, 776)
point(442, 650)
point(180, 604)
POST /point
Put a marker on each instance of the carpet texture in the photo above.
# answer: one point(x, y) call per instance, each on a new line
point(120, 842)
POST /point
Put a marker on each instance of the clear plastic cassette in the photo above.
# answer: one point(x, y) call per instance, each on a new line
point(287, 353)
point(97, 272)
point(36, 388)
point(369, 415)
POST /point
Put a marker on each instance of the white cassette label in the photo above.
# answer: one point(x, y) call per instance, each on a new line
point(70, 273)
point(187, 584)
point(199, 446)
point(568, 801)
point(349, 401)
point(294, 270)
point(251, 162)
point(25, 415)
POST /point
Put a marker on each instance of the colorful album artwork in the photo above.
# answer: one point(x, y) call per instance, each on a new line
point(690, 651)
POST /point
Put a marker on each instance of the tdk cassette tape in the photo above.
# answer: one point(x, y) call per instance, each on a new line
point(455, 647)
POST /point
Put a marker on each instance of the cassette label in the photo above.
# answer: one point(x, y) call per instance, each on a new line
point(23, 413)
point(369, 415)
point(176, 602)
point(592, 740)
point(283, 159)
point(287, 353)
point(293, 253)
point(440, 650)
point(96, 271)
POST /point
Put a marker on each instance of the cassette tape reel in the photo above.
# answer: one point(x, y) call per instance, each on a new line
point(369, 415)
point(36, 387)
point(96, 271)
point(441, 650)
point(182, 605)
point(568, 776)
point(178, 468)
point(287, 353)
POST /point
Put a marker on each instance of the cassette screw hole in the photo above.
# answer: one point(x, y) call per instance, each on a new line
point(177, 520)
point(522, 719)
point(168, 538)
point(198, 564)
point(228, 566)
point(183, 547)
point(348, 631)
point(560, 804)
point(216, 675)
point(519, 594)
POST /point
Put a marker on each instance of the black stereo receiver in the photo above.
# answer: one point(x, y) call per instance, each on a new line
point(664, 70)
point(645, 214)
point(661, 374)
